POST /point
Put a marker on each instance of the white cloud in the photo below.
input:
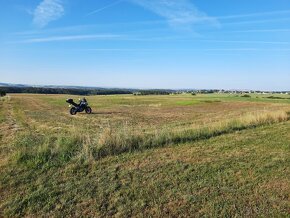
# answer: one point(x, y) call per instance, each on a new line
point(47, 11)
point(176, 12)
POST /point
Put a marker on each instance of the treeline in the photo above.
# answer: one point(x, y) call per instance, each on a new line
point(80, 91)
point(153, 92)
point(194, 92)
point(71, 91)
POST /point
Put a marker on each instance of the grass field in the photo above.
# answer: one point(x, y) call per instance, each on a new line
point(211, 155)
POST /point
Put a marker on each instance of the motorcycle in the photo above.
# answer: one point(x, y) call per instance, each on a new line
point(77, 108)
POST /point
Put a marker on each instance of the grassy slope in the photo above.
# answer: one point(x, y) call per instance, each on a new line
point(244, 173)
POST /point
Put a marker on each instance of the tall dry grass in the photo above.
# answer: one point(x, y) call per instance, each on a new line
point(127, 140)
point(54, 150)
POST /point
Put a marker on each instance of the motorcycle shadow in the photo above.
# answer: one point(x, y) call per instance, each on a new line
point(107, 113)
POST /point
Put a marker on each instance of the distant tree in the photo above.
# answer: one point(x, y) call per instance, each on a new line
point(2, 93)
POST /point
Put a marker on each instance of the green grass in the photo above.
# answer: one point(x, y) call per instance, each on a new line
point(187, 102)
point(241, 174)
point(253, 98)
point(146, 157)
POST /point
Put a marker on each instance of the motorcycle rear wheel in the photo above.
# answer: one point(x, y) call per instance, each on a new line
point(73, 111)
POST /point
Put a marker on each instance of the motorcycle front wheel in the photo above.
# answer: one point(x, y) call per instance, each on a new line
point(88, 110)
point(73, 111)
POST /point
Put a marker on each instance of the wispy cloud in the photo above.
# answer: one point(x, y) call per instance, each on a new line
point(250, 49)
point(177, 13)
point(268, 13)
point(47, 11)
point(262, 31)
point(273, 20)
point(255, 18)
point(247, 42)
point(71, 38)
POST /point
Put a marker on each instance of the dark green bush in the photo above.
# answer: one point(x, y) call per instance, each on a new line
point(246, 96)
point(2, 93)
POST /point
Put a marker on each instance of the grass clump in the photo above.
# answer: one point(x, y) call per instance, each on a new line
point(37, 151)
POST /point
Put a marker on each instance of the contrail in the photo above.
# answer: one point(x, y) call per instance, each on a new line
point(104, 8)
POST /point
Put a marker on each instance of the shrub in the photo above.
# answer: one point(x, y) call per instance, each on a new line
point(275, 97)
point(246, 96)
point(2, 93)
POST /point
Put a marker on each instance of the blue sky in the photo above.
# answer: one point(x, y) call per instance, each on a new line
point(240, 44)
